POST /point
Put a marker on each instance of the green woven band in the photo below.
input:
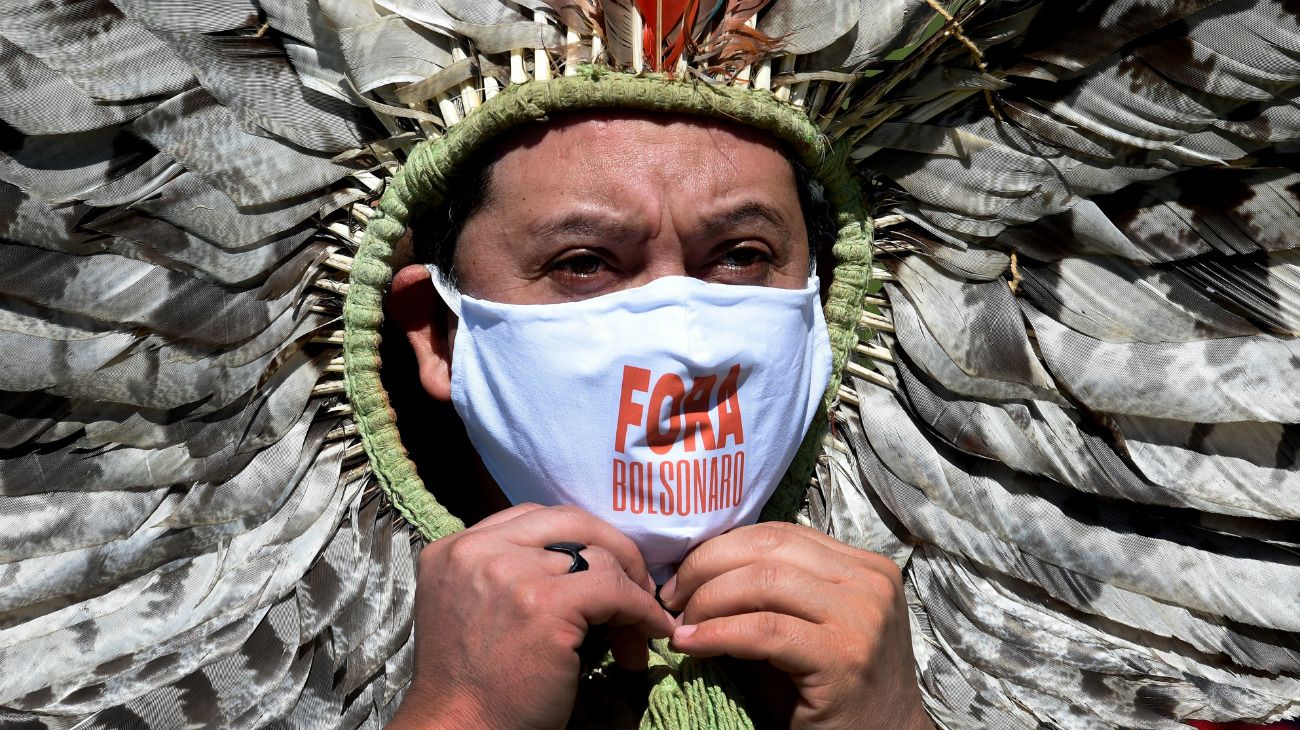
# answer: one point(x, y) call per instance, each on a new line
point(422, 183)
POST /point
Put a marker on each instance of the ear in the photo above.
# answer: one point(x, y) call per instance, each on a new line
point(429, 326)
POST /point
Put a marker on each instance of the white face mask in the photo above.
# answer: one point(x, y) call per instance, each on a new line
point(671, 410)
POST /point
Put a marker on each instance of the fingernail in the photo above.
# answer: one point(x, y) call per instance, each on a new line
point(672, 621)
point(684, 632)
point(666, 591)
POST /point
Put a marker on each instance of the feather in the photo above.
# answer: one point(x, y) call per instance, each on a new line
point(1212, 211)
point(396, 602)
point(809, 27)
point(280, 695)
point(70, 520)
point(299, 20)
point(667, 27)
point(851, 512)
point(392, 50)
point(737, 45)
point(1069, 40)
point(1263, 289)
point(40, 101)
point(25, 417)
point(191, 16)
point(252, 78)
point(1067, 563)
point(577, 15)
point(251, 170)
point(1092, 597)
point(191, 204)
point(270, 477)
point(1036, 437)
point(66, 167)
point(34, 222)
point(1051, 655)
point(150, 239)
point(1121, 110)
point(129, 293)
point(1210, 381)
point(105, 54)
point(337, 579)
point(505, 37)
point(1105, 543)
point(482, 12)
point(258, 564)
point(35, 362)
point(618, 22)
point(348, 13)
point(933, 359)
point(1111, 300)
point(1254, 461)
point(881, 29)
point(985, 336)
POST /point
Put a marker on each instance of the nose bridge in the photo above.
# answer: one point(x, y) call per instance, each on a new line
point(665, 251)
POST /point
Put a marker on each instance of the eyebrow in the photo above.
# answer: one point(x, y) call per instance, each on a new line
point(581, 225)
point(745, 214)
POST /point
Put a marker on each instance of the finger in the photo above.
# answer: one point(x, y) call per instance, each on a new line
point(741, 547)
point(506, 515)
point(629, 648)
point(565, 523)
point(788, 643)
point(611, 598)
point(876, 560)
point(763, 586)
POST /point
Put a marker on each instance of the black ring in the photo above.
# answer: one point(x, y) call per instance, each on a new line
point(573, 550)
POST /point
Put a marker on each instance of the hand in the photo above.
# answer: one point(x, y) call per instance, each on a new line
point(829, 616)
point(498, 621)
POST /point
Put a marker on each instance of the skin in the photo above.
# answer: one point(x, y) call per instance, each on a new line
point(582, 207)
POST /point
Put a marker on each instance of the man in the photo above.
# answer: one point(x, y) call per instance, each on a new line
point(585, 206)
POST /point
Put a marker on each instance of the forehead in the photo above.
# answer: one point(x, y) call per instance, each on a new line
point(616, 149)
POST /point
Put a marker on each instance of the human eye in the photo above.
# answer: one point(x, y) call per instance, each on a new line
point(579, 264)
point(747, 262)
point(580, 272)
point(744, 256)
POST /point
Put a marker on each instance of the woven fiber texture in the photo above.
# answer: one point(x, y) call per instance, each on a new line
point(693, 694)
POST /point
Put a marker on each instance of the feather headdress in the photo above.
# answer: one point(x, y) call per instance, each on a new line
point(1069, 396)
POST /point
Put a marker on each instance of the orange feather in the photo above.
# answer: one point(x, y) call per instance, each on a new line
point(668, 24)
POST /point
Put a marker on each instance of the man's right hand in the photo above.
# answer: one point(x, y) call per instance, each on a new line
point(498, 620)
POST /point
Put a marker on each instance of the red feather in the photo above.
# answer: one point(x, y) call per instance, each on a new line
point(668, 23)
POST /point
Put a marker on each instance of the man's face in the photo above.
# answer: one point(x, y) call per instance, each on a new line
point(598, 203)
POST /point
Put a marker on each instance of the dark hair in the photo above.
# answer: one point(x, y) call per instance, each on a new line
point(434, 232)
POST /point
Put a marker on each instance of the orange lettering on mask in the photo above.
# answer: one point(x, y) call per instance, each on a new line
point(729, 420)
point(701, 473)
point(618, 487)
point(697, 413)
point(630, 412)
point(724, 482)
point(665, 484)
point(672, 391)
point(683, 488)
point(739, 473)
point(636, 487)
point(713, 484)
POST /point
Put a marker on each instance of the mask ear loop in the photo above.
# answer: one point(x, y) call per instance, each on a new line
point(442, 284)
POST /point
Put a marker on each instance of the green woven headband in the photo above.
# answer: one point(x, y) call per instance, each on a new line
point(422, 183)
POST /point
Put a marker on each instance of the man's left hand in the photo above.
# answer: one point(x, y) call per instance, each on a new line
point(831, 617)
